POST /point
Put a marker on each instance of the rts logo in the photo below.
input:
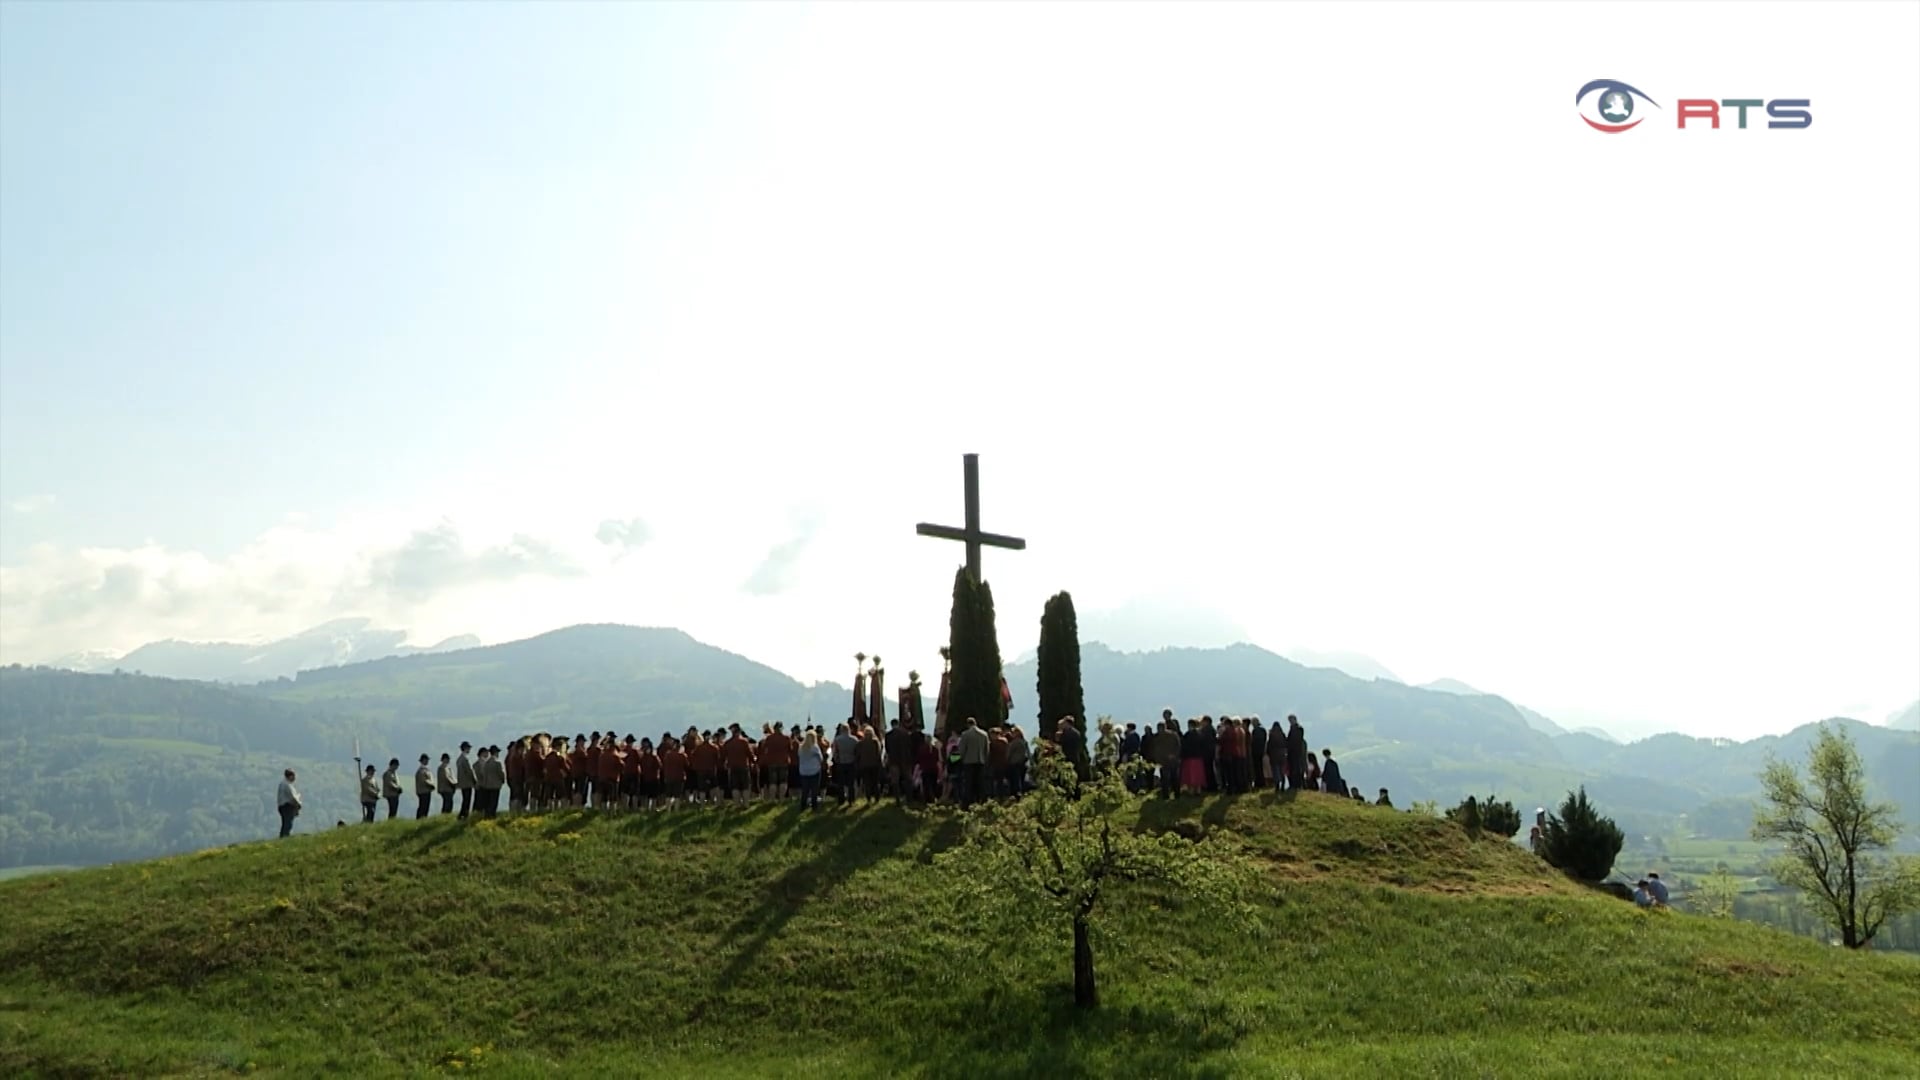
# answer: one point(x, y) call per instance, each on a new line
point(1616, 105)
point(1612, 108)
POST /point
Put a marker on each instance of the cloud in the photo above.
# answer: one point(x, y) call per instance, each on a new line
point(775, 575)
point(55, 601)
point(623, 536)
point(437, 559)
point(32, 504)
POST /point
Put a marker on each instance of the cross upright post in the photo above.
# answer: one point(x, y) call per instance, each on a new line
point(972, 535)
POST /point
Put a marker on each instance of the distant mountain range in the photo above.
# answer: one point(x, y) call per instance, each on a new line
point(1907, 719)
point(117, 766)
point(341, 641)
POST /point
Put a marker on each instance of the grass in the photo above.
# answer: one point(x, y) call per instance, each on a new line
point(767, 942)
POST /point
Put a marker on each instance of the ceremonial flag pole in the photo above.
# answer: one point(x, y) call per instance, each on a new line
point(946, 689)
point(859, 691)
point(877, 711)
point(912, 703)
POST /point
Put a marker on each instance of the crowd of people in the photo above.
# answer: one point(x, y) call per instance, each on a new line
point(854, 762)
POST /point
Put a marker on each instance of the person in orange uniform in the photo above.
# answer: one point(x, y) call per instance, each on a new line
point(516, 775)
point(646, 765)
point(559, 776)
point(703, 769)
point(776, 758)
point(737, 755)
point(673, 772)
point(613, 767)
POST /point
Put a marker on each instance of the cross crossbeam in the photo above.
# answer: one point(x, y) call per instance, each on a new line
point(971, 534)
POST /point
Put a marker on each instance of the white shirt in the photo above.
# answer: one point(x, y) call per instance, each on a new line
point(288, 796)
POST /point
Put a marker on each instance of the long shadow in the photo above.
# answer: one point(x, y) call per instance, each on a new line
point(435, 832)
point(1052, 1038)
point(849, 843)
point(787, 816)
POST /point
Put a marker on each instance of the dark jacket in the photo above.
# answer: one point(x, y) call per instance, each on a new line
point(1330, 781)
point(1257, 742)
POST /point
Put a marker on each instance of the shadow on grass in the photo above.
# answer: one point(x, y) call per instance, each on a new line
point(433, 833)
point(848, 843)
point(1011, 1034)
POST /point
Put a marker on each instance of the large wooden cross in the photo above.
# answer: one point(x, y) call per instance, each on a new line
point(971, 535)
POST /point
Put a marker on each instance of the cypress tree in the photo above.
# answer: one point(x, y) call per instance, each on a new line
point(975, 651)
point(1059, 687)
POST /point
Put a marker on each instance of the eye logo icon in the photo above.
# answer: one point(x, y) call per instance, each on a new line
point(1612, 105)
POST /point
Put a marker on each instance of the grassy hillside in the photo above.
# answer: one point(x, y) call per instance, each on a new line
point(765, 942)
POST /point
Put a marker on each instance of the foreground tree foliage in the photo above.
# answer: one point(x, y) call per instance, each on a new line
point(1581, 840)
point(1497, 816)
point(1047, 860)
point(1830, 829)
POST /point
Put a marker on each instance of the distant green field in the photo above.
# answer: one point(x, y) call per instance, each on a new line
point(8, 873)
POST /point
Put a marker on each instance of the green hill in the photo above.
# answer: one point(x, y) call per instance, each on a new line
point(767, 942)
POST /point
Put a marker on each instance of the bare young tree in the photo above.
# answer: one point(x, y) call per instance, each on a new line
point(1830, 830)
point(1047, 859)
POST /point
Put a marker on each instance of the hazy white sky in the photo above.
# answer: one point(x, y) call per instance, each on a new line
point(1316, 325)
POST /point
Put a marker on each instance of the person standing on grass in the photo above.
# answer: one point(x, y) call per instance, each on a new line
point(463, 772)
point(737, 755)
point(926, 766)
point(1330, 775)
point(490, 775)
point(1233, 756)
point(673, 772)
point(812, 762)
point(369, 794)
point(776, 753)
point(1019, 758)
point(516, 764)
point(974, 748)
point(1256, 754)
point(1106, 750)
point(390, 788)
point(423, 787)
point(613, 769)
point(1296, 754)
point(846, 753)
point(1277, 759)
point(445, 784)
point(1312, 780)
point(288, 801)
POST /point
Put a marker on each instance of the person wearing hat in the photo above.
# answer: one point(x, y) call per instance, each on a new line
point(390, 788)
point(463, 773)
point(445, 784)
point(490, 775)
point(423, 787)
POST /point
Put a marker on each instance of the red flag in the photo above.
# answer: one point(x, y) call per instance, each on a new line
point(1006, 699)
point(940, 703)
point(877, 711)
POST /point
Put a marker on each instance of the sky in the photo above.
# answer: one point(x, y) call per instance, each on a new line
point(1315, 326)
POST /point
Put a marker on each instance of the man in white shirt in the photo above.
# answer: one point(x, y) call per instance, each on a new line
point(289, 802)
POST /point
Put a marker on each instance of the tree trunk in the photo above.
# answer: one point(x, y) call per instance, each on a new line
point(1084, 994)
